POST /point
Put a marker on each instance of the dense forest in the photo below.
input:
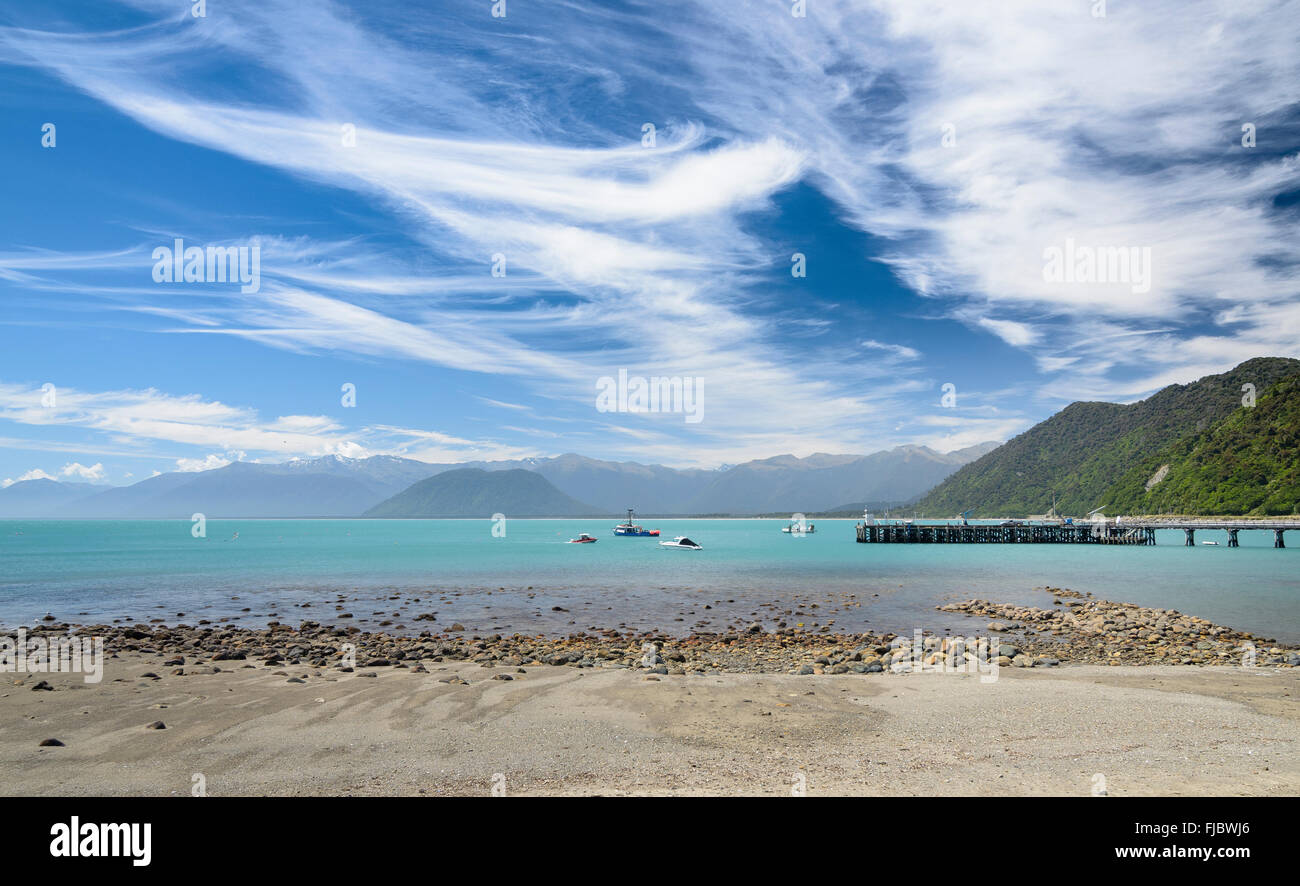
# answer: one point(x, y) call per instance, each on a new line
point(1223, 457)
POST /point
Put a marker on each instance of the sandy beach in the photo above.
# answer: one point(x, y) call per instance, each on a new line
point(247, 730)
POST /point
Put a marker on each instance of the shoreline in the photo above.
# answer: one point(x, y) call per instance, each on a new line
point(1078, 629)
point(283, 712)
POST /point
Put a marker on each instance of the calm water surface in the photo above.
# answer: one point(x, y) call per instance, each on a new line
point(100, 570)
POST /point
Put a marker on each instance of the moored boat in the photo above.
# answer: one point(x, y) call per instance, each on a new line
point(630, 528)
point(681, 543)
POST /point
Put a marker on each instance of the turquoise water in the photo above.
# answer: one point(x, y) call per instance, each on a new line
point(749, 570)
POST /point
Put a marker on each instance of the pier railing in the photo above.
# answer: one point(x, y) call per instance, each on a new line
point(1121, 531)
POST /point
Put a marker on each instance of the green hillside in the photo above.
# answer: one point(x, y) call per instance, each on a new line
point(472, 492)
point(1249, 463)
point(1080, 453)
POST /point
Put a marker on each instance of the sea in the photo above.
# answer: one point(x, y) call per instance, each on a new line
point(522, 576)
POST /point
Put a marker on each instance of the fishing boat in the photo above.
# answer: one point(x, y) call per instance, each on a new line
point(582, 539)
point(631, 529)
point(681, 543)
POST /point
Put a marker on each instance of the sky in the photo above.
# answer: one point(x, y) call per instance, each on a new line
point(841, 226)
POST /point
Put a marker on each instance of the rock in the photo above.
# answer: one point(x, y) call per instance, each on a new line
point(377, 663)
point(295, 680)
point(754, 628)
point(457, 627)
point(368, 674)
point(51, 743)
point(502, 677)
point(1008, 650)
point(1023, 661)
point(156, 724)
point(1047, 661)
point(805, 670)
point(42, 687)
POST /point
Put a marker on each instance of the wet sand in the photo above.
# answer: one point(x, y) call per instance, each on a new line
point(1159, 729)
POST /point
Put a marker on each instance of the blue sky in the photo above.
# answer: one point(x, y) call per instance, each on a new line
point(923, 156)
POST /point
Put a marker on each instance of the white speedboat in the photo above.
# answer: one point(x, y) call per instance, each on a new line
point(1211, 543)
point(794, 529)
point(681, 543)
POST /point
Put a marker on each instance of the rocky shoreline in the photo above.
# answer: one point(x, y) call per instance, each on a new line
point(1078, 629)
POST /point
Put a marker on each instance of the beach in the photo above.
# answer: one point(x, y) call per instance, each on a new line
point(1080, 696)
point(1171, 730)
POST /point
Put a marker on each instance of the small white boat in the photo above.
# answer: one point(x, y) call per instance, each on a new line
point(1214, 543)
point(794, 529)
point(682, 543)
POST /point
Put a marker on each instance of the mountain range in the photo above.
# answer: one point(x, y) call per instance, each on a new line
point(335, 486)
point(1224, 444)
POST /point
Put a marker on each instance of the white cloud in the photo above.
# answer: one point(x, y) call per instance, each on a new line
point(1016, 334)
point(133, 417)
point(192, 465)
point(1119, 131)
point(33, 474)
point(650, 242)
point(93, 474)
point(901, 351)
point(73, 470)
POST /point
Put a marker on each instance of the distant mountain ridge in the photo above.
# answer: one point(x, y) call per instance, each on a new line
point(473, 492)
point(336, 486)
point(1098, 455)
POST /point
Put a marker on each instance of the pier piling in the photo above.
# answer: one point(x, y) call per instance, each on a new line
point(1126, 531)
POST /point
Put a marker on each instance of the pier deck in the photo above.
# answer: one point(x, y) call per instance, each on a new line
point(1123, 531)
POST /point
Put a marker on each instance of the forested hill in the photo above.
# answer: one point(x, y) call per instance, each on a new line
point(1088, 453)
point(1247, 463)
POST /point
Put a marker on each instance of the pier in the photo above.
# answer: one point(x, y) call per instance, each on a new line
point(1120, 531)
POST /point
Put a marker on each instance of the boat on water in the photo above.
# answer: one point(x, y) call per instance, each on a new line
point(630, 528)
point(582, 539)
point(1211, 543)
point(794, 529)
point(681, 543)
